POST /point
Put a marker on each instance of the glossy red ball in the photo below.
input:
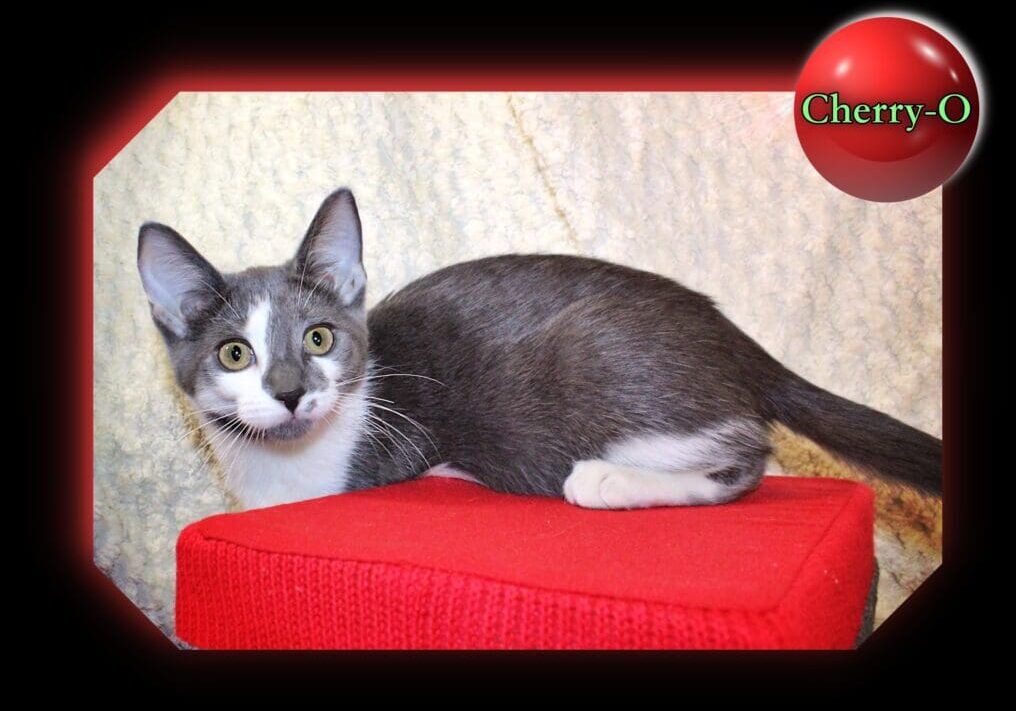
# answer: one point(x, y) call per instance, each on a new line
point(904, 114)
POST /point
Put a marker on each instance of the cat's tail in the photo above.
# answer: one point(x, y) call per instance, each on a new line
point(862, 436)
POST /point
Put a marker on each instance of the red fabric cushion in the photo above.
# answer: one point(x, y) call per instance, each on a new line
point(443, 563)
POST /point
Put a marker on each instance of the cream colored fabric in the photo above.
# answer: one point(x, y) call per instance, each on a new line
point(710, 188)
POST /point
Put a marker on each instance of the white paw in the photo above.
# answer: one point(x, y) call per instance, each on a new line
point(595, 484)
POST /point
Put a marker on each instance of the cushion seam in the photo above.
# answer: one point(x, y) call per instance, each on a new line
point(807, 559)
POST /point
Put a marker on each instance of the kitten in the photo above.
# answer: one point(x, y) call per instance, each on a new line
point(529, 374)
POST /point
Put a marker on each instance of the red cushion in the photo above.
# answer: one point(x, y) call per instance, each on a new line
point(443, 563)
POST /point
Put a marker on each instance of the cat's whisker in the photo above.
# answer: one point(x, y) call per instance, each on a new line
point(204, 423)
point(368, 378)
point(387, 429)
point(223, 298)
point(227, 433)
point(244, 443)
point(369, 432)
point(217, 444)
point(223, 431)
point(384, 428)
point(303, 272)
point(233, 445)
point(398, 372)
point(221, 437)
point(205, 409)
point(206, 453)
point(221, 428)
point(316, 285)
point(243, 439)
point(410, 420)
point(402, 434)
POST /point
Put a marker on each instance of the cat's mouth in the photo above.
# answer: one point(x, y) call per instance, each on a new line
point(292, 429)
point(289, 430)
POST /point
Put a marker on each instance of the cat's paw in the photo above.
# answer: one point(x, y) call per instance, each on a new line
point(582, 487)
point(596, 484)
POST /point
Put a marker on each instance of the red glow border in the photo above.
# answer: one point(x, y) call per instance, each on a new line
point(121, 124)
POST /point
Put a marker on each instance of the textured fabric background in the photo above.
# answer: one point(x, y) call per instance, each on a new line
point(711, 189)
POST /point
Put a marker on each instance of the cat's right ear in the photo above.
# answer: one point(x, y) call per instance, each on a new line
point(332, 250)
point(181, 285)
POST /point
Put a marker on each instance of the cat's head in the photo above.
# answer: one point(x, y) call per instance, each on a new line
point(271, 351)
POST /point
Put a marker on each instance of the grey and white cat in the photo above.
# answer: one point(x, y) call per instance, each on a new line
point(529, 374)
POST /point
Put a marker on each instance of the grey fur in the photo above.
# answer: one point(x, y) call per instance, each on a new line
point(513, 368)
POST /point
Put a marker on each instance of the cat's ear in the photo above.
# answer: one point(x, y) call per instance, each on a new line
point(332, 251)
point(180, 283)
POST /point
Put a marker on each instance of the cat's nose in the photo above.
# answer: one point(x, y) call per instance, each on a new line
point(290, 399)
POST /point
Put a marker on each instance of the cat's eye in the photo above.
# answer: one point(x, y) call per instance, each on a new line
point(235, 355)
point(318, 340)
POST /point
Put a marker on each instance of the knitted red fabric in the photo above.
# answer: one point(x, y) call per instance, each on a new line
point(443, 563)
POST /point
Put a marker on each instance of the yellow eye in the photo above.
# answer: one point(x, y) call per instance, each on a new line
point(318, 340)
point(235, 355)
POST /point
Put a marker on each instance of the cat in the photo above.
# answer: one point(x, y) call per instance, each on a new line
point(529, 374)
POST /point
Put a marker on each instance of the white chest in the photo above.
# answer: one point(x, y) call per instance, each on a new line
point(263, 474)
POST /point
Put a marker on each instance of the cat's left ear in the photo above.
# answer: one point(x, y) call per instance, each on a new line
point(181, 285)
point(332, 251)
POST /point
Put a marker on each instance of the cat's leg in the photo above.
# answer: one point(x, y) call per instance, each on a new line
point(599, 484)
point(712, 466)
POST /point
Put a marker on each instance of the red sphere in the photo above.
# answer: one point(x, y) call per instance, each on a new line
point(893, 109)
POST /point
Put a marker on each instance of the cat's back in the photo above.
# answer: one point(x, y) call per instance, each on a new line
point(507, 296)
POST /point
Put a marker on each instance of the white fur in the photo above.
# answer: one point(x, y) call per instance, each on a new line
point(597, 484)
point(447, 471)
point(242, 391)
point(256, 332)
point(658, 469)
point(706, 449)
point(272, 472)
